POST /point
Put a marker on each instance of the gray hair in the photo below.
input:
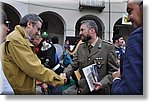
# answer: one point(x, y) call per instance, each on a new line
point(30, 17)
point(138, 2)
point(135, 1)
point(90, 24)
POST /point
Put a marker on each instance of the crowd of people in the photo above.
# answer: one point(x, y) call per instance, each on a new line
point(34, 64)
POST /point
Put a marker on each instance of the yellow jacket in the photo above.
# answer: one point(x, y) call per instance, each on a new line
point(21, 66)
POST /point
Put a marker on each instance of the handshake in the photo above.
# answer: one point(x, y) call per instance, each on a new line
point(65, 77)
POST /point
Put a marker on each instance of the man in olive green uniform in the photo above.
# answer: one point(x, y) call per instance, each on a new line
point(102, 53)
point(21, 66)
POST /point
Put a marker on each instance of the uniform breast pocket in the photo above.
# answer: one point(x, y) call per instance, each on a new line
point(99, 61)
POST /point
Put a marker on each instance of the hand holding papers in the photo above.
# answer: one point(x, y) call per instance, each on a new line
point(91, 75)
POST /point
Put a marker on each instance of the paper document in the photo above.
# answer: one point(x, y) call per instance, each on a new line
point(91, 75)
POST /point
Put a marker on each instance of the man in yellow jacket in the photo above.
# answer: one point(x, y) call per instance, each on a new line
point(21, 66)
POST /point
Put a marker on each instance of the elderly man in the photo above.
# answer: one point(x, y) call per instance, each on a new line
point(21, 66)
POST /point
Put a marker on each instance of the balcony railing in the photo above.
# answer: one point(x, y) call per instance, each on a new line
point(92, 4)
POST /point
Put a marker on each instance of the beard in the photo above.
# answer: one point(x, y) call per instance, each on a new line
point(85, 38)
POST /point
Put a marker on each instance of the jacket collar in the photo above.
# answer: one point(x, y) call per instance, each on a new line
point(95, 49)
point(98, 43)
point(24, 35)
point(22, 31)
point(97, 46)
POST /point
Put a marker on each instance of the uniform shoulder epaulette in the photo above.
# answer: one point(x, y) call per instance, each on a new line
point(108, 42)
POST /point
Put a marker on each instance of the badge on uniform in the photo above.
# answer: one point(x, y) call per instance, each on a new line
point(98, 60)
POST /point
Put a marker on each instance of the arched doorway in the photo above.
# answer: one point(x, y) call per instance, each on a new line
point(53, 24)
point(122, 29)
point(98, 22)
point(12, 14)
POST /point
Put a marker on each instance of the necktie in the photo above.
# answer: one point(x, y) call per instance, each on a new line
point(90, 48)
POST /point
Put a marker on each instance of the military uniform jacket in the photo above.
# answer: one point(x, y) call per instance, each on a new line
point(103, 53)
point(21, 66)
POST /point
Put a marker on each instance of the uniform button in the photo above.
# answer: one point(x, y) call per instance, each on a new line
point(89, 59)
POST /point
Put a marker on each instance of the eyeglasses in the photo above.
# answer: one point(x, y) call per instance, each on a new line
point(38, 28)
point(7, 23)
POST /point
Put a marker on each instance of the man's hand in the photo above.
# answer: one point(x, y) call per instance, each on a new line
point(97, 86)
point(116, 74)
point(44, 86)
point(64, 76)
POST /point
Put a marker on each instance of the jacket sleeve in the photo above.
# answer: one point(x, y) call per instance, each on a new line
point(73, 66)
point(112, 66)
point(29, 63)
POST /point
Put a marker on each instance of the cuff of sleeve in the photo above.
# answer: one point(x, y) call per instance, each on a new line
point(116, 78)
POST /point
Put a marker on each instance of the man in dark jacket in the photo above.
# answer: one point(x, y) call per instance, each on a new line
point(130, 82)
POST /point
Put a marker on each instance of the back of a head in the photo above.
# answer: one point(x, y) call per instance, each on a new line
point(30, 17)
point(55, 40)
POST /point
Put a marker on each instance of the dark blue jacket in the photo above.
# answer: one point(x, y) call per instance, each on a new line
point(131, 82)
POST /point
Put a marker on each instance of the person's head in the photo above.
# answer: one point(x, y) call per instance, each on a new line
point(118, 40)
point(32, 24)
point(4, 29)
point(135, 12)
point(67, 42)
point(88, 30)
point(36, 40)
point(55, 40)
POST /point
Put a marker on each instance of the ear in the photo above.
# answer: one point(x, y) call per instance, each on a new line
point(29, 24)
point(117, 40)
point(92, 30)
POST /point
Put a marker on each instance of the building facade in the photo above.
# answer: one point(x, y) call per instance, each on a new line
point(63, 17)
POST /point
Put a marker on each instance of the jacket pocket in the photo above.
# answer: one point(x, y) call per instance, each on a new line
point(99, 61)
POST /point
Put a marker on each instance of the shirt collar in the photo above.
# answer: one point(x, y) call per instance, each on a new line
point(29, 37)
point(93, 44)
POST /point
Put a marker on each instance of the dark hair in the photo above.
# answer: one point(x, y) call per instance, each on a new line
point(55, 40)
point(30, 17)
point(90, 24)
point(141, 8)
point(116, 37)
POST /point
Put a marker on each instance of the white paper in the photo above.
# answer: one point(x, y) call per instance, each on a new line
point(91, 75)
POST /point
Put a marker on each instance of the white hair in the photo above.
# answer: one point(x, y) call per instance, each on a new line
point(135, 1)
